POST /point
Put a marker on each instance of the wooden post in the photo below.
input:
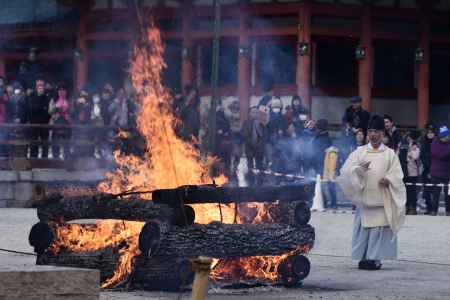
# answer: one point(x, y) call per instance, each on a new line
point(202, 266)
point(423, 96)
point(187, 46)
point(304, 59)
point(2, 67)
point(365, 64)
point(81, 61)
point(244, 66)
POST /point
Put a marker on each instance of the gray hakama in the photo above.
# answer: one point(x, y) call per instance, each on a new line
point(375, 243)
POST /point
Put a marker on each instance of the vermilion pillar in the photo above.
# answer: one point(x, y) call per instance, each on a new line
point(365, 64)
point(81, 62)
point(187, 64)
point(423, 96)
point(2, 67)
point(304, 59)
point(244, 66)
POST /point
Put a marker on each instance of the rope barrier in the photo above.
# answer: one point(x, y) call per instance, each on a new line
point(277, 174)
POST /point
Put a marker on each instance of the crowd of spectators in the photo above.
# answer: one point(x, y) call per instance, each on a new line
point(276, 136)
point(40, 102)
point(286, 140)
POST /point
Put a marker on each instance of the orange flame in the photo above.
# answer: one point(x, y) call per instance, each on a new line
point(168, 162)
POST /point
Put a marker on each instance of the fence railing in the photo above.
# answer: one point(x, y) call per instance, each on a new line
point(27, 146)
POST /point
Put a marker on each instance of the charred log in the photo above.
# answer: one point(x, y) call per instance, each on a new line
point(212, 194)
point(295, 213)
point(41, 237)
point(101, 206)
point(151, 236)
point(225, 240)
point(293, 269)
point(156, 273)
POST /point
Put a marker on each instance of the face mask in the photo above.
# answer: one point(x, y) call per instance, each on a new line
point(276, 110)
point(17, 91)
point(303, 117)
point(96, 100)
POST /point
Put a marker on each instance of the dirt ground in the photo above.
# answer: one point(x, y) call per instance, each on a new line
point(422, 271)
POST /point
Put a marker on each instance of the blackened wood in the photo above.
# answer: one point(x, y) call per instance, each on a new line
point(41, 237)
point(296, 213)
point(232, 240)
point(151, 235)
point(155, 273)
point(101, 206)
point(293, 269)
point(213, 194)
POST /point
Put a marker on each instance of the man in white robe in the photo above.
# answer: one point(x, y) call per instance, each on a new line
point(372, 179)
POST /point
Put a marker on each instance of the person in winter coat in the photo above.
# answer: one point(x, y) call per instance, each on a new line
point(81, 115)
point(59, 110)
point(320, 143)
point(190, 115)
point(234, 119)
point(276, 130)
point(254, 134)
point(394, 135)
point(440, 169)
point(223, 147)
point(37, 105)
point(425, 156)
point(17, 115)
point(355, 116)
point(413, 172)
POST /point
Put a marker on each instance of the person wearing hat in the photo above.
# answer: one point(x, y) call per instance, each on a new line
point(355, 116)
point(425, 157)
point(440, 169)
point(372, 179)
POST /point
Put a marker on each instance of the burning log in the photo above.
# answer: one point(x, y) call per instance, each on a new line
point(224, 240)
point(103, 206)
point(196, 194)
point(296, 213)
point(293, 269)
point(156, 273)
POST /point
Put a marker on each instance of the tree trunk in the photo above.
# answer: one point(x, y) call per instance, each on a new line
point(101, 206)
point(228, 240)
point(155, 273)
point(212, 194)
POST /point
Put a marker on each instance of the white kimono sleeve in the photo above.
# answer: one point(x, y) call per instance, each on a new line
point(352, 179)
point(395, 196)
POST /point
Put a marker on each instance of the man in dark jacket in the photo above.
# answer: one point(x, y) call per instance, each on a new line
point(355, 116)
point(320, 143)
point(440, 169)
point(276, 130)
point(425, 156)
point(190, 115)
point(395, 137)
point(37, 113)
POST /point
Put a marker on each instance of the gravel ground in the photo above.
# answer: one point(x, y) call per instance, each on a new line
point(421, 273)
